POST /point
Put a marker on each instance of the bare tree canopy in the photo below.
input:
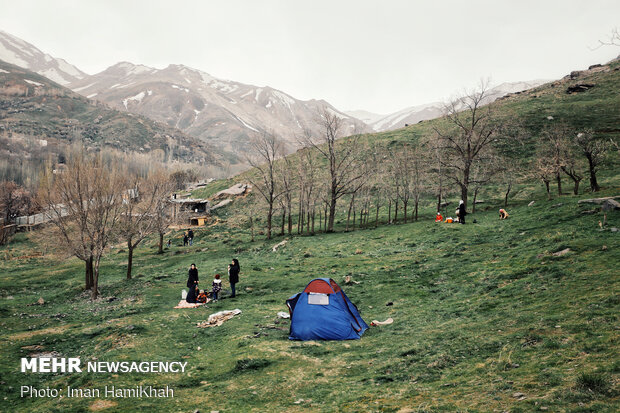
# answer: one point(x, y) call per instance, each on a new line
point(342, 156)
point(266, 149)
point(466, 139)
point(84, 203)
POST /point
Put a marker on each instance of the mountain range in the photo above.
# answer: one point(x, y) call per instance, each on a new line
point(223, 114)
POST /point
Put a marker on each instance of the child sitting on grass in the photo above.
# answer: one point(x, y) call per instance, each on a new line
point(217, 287)
point(202, 297)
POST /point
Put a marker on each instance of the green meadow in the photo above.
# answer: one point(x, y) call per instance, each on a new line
point(486, 317)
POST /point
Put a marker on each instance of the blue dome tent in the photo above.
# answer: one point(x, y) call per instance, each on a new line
point(324, 312)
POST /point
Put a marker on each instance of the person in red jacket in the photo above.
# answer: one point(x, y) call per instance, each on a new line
point(438, 218)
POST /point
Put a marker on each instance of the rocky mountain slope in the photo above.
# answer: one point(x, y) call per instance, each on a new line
point(39, 117)
point(221, 112)
point(23, 54)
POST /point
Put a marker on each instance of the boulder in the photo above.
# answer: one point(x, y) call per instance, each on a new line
point(531, 203)
point(581, 87)
point(610, 205)
point(598, 201)
point(574, 74)
point(235, 190)
point(560, 253)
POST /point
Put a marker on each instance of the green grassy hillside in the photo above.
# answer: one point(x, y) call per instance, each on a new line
point(486, 318)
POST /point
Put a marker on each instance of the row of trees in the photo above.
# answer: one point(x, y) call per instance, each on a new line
point(95, 202)
point(471, 147)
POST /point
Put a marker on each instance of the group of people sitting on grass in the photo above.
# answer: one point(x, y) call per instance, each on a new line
point(196, 295)
point(461, 213)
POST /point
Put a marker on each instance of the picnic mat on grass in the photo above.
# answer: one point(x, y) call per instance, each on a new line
point(185, 304)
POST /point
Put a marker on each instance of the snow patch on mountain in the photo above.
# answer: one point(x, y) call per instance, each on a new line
point(32, 82)
point(137, 98)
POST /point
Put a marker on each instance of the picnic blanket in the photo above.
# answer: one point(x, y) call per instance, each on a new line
point(217, 319)
point(185, 304)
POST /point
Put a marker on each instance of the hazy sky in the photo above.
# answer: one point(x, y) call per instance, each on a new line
point(380, 56)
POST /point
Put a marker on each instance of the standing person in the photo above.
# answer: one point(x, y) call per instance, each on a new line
point(192, 284)
point(190, 236)
point(185, 239)
point(233, 275)
point(217, 287)
point(462, 212)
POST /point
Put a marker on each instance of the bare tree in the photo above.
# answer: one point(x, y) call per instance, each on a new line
point(265, 150)
point(162, 216)
point(613, 39)
point(84, 204)
point(14, 200)
point(138, 218)
point(470, 130)
point(342, 160)
point(543, 170)
point(594, 151)
point(285, 174)
point(403, 176)
point(551, 151)
point(307, 174)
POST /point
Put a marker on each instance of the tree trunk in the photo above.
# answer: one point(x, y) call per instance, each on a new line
point(473, 207)
point(325, 218)
point(396, 212)
point(252, 228)
point(362, 214)
point(94, 292)
point(507, 193)
point(290, 221)
point(439, 202)
point(313, 213)
point(308, 221)
point(377, 216)
point(390, 211)
point(417, 201)
point(593, 182)
point(129, 257)
point(546, 182)
point(405, 210)
point(332, 213)
point(88, 279)
point(283, 221)
point(465, 186)
point(160, 249)
point(269, 218)
point(559, 181)
point(576, 187)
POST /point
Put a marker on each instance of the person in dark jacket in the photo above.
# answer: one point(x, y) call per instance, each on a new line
point(190, 237)
point(233, 275)
point(462, 212)
point(192, 284)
